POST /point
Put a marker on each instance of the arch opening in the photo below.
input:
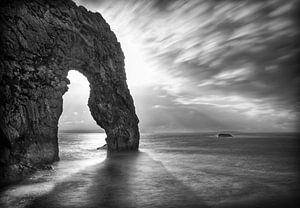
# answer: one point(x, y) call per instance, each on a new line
point(76, 116)
point(79, 136)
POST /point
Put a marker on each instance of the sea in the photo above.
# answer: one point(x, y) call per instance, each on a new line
point(170, 170)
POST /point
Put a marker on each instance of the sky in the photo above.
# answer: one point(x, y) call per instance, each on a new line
point(196, 65)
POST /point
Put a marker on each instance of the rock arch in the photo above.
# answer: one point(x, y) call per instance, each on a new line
point(40, 42)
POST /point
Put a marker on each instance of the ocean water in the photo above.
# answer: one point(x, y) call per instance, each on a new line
point(171, 170)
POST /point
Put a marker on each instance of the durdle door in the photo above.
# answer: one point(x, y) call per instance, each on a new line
point(40, 42)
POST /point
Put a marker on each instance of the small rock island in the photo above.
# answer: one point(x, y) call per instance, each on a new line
point(220, 135)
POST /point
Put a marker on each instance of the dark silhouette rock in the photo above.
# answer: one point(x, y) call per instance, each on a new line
point(104, 147)
point(224, 135)
point(40, 42)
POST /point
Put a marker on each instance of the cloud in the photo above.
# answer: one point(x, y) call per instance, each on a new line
point(237, 58)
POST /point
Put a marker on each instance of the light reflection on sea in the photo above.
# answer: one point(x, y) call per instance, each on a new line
point(76, 153)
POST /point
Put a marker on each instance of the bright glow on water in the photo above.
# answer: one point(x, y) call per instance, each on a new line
point(77, 152)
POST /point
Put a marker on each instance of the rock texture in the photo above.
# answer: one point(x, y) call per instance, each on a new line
point(40, 42)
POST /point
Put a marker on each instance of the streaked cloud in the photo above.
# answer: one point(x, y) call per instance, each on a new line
point(232, 63)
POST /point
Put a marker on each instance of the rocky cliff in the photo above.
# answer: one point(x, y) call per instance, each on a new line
point(40, 42)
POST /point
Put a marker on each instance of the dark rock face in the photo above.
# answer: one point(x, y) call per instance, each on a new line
point(40, 42)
